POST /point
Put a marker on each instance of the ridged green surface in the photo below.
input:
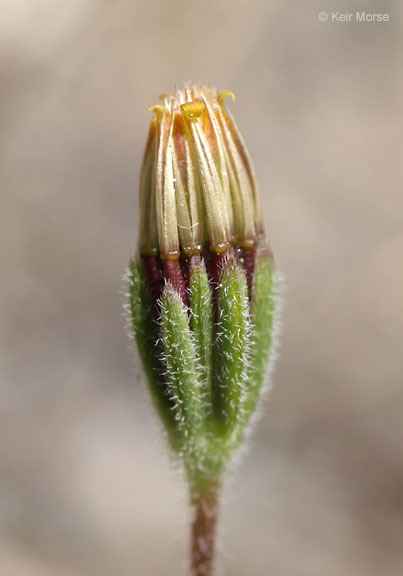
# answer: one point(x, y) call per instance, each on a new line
point(146, 335)
point(205, 369)
point(201, 323)
point(181, 371)
point(232, 347)
point(262, 314)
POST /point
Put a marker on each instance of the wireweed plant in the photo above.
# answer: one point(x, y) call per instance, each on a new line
point(203, 294)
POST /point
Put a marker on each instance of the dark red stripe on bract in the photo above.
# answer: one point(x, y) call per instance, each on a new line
point(172, 272)
point(152, 267)
point(247, 259)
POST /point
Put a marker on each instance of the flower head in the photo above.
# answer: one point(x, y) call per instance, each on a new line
point(203, 291)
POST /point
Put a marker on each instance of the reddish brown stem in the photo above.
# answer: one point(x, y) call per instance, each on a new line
point(204, 528)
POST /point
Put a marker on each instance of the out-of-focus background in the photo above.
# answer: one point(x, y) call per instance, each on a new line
point(86, 487)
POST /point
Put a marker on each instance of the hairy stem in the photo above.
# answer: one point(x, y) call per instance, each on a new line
point(204, 526)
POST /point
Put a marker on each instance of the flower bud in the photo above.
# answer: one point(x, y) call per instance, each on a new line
point(203, 290)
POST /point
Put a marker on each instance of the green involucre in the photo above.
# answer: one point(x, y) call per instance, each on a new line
point(205, 370)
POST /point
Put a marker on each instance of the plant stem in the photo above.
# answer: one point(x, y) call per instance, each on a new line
point(205, 511)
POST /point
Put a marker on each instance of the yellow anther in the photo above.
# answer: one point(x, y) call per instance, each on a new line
point(193, 110)
point(224, 94)
point(159, 110)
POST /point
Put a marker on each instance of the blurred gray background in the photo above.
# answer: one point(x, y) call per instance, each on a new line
point(86, 487)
